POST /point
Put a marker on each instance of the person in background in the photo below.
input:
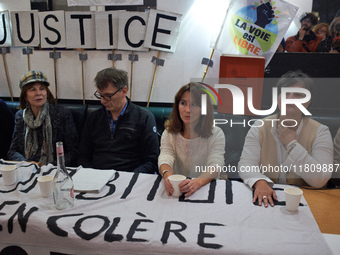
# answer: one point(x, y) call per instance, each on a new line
point(295, 142)
point(41, 123)
point(120, 135)
point(322, 29)
point(305, 40)
point(6, 128)
point(190, 139)
point(334, 28)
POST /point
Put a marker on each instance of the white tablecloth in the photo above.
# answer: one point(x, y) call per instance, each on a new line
point(134, 215)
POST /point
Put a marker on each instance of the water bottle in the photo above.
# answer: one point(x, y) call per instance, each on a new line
point(63, 192)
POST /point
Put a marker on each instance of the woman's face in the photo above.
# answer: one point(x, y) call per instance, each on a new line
point(36, 95)
point(323, 32)
point(189, 111)
point(292, 109)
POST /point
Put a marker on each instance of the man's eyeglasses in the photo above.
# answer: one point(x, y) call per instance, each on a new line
point(106, 97)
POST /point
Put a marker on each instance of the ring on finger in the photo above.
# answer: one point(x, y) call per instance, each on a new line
point(264, 197)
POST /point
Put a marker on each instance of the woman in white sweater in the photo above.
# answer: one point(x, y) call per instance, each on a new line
point(190, 143)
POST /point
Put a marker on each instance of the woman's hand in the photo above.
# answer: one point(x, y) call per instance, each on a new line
point(264, 193)
point(189, 186)
point(168, 187)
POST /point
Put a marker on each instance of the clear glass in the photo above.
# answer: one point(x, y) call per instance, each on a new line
point(63, 192)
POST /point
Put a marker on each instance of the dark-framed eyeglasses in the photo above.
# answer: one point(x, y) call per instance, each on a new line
point(106, 97)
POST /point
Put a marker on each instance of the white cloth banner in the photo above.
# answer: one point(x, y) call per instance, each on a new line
point(134, 215)
point(255, 28)
point(103, 2)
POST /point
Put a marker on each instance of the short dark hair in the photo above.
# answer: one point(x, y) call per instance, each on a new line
point(310, 16)
point(118, 78)
point(22, 99)
point(206, 122)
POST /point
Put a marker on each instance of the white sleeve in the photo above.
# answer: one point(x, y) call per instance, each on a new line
point(167, 149)
point(321, 157)
point(248, 166)
point(337, 148)
point(217, 148)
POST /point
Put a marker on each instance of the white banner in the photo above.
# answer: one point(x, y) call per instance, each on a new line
point(103, 2)
point(256, 28)
point(5, 32)
point(132, 30)
point(25, 28)
point(52, 29)
point(134, 215)
point(163, 30)
point(80, 30)
point(107, 26)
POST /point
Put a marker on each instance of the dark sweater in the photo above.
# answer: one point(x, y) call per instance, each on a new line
point(133, 146)
point(63, 130)
point(6, 128)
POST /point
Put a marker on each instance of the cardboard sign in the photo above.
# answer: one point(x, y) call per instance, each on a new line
point(5, 32)
point(80, 30)
point(107, 24)
point(163, 30)
point(255, 28)
point(132, 31)
point(52, 29)
point(25, 28)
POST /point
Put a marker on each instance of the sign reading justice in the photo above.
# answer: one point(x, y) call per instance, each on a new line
point(88, 30)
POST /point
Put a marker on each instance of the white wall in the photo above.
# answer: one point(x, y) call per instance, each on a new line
point(15, 5)
point(201, 19)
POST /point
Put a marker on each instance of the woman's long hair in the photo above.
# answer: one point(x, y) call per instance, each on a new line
point(205, 123)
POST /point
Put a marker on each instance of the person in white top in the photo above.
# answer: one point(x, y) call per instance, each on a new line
point(294, 149)
point(190, 144)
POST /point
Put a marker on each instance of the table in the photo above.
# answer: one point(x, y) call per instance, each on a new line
point(134, 215)
point(325, 206)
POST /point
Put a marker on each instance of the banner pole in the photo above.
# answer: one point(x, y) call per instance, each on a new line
point(28, 60)
point(113, 62)
point(206, 70)
point(55, 76)
point(153, 81)
point(131, 76)
point(82, 77)
point(6, 72)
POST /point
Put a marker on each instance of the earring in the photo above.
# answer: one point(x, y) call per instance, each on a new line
point(27, 105)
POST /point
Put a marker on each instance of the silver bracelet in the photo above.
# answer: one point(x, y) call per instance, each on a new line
point(291, 145)
point(164, 172)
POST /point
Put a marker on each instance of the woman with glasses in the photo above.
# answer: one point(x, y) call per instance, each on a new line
point(40, 124)
point(190, 143)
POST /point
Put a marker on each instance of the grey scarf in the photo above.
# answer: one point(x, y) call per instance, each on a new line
point(31, 136)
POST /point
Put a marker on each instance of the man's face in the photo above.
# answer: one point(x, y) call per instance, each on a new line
point(117, 101)
point(306, 24)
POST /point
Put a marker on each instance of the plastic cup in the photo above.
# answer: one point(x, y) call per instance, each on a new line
point(293, 197)
point(45, 184)
point(9, 174)
point(175, 180)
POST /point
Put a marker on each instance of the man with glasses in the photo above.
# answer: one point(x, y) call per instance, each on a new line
point(305, 40)
point(120, 135)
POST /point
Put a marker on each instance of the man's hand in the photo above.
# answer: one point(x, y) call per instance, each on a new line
point(285, 134)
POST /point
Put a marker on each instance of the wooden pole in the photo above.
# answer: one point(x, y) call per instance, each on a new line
point(6, 72)
point(113, 62)
point(82, 77)
point(153, 81)
point(131, 76)
point(55, 76)
point(206, 70)
point(28, 60)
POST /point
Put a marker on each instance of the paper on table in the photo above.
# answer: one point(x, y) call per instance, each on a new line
point(91, 180)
